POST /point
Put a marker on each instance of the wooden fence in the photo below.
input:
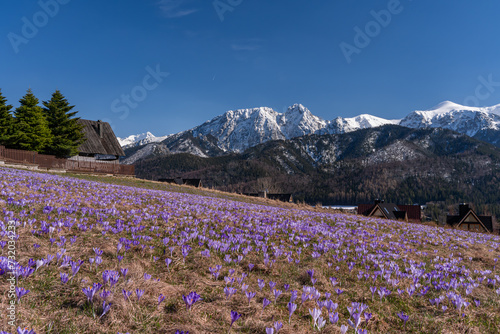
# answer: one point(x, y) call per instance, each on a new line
point(31, 158)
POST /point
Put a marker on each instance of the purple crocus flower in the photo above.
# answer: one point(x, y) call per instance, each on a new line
point(113, 278)
point(249, 295)
point(334, 281)
point(334, 317)
point(269, 330)
point(234, 316)
point(89, 292)
point(310, 272)
point(261, 284)
point(168, 261)
point(272, 285)
point(403, 317)
point(126, 294)
point(229, 291)
point(161, 298)
point(20, 292)
point(124, 271)
point(139, 293)
point(276, 293)
point(368, 316)
point(64, 278)
point(250, 266)
point(190, 299)
point(291, 308)
point(105, 309)
point(357, 320)
point(278, 325)
point(22, 331)
point(315, 314)
point(265, 302)
point(75, 266)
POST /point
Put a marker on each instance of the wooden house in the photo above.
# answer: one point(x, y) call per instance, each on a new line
point(100, 143)
point(391, 211)
point(468, 220)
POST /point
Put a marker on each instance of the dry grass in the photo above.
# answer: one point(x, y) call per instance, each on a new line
point(53, 307)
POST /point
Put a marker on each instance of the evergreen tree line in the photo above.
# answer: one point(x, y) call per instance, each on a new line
point(49, 129)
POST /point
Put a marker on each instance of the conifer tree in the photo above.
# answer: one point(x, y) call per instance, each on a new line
point(6, 121)
point(67, 133)
point(30, 131)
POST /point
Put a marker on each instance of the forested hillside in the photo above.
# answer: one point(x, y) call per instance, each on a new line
point(391, 162)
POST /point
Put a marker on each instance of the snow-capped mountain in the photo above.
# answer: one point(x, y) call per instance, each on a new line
point(448, 115)
point(237, 130)
point(140, 139)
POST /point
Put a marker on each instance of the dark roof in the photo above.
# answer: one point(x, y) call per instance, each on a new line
point(106, 143)
point(414, 211)
point(192, 182)
point(487, 221)
point(389, 210)
point(365, 209)
point(392, 211)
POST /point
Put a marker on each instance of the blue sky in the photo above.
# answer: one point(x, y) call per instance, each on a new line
point(111, 58)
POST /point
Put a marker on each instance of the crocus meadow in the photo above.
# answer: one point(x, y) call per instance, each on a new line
point(95, 257)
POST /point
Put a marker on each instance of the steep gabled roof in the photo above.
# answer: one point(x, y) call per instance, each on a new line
point(485, 221)
point(387, 210)
point(95, 143)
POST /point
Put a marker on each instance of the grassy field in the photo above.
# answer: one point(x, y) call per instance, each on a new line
point(109, 255)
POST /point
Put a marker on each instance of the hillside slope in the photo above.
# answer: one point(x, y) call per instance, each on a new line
point(99, 258)
point(396, 163)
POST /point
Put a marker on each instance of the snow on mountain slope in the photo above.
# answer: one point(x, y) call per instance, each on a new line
point(344, 125)
point(452, 116)
point(299, 121)
point(238, 130)
point(140, 139)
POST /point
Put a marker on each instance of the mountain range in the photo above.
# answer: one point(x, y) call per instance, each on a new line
point(237, 130)
point(443, 156)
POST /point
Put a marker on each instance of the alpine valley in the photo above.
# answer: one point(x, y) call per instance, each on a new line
point(442, 156)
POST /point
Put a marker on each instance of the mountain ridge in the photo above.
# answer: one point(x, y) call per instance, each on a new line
point(237, 130)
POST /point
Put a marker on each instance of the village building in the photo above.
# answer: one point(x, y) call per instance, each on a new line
point(100, 143)
point(392, 211)
point(468, 220)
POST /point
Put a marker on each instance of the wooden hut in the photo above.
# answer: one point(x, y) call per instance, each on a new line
point(391, 211)
point(100, 143)
point(468, 220)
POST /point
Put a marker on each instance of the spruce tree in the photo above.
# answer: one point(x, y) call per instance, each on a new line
point(5, 121)
point(67, 133)
point(30, 131)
